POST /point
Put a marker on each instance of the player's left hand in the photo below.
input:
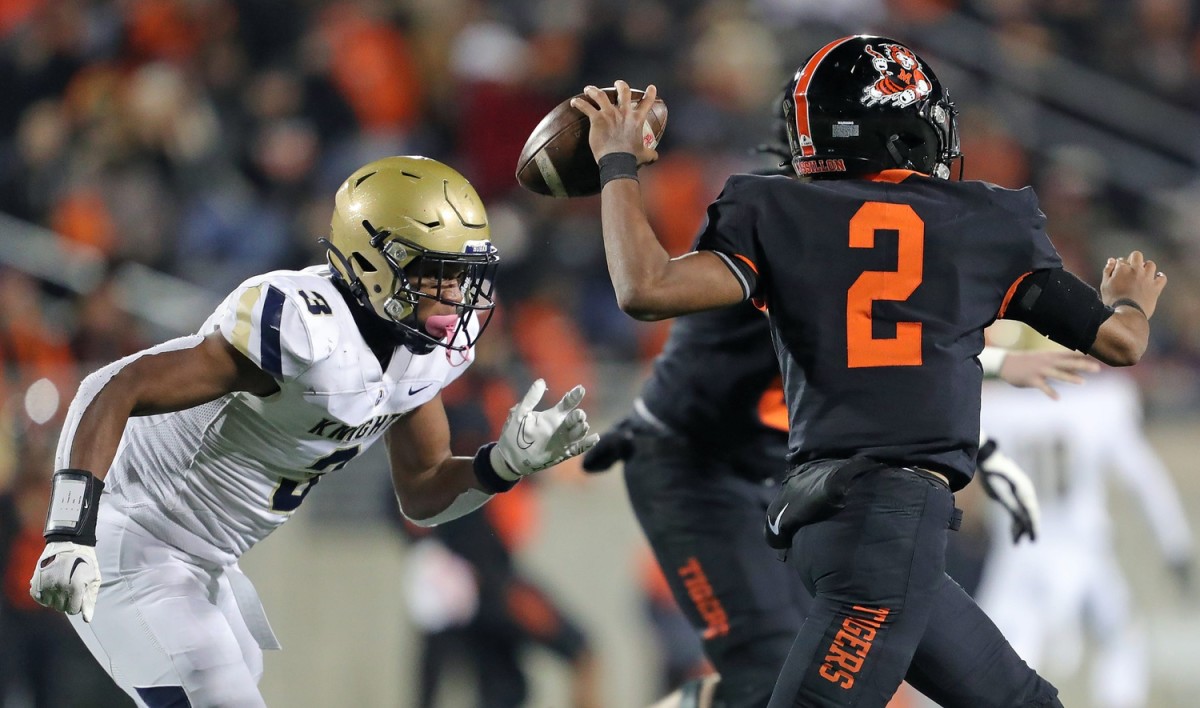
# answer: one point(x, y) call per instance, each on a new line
point(534, 440)
point(1007, 484)
point(618, 128)
point(1038, 369)
point(614, 446)
point(67, 578)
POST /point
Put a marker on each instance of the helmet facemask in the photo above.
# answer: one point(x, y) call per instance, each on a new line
point(464, 281)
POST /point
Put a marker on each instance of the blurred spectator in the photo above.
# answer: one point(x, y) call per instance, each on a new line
point(198, 137)
point(104, 331)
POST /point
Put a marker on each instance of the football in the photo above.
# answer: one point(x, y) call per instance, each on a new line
point(557, 161)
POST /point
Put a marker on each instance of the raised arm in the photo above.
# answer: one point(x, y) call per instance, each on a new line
point(1112, 325)
point(1131, 287)
point(650, 285)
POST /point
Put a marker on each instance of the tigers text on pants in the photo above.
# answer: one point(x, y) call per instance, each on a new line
point(884, 609)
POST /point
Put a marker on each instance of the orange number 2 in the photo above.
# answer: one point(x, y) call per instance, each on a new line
point(863, 349)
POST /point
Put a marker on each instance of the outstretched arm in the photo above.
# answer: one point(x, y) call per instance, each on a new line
point(433, 486)
point(172, 376)
point(1112, 326)
point(1025, 369)
point(650, 285)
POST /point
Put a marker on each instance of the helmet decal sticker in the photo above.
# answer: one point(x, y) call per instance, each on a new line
point(902, 80)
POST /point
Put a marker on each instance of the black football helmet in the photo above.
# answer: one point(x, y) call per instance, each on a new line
point(864, 104)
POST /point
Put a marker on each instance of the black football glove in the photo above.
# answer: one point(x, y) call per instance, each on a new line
point(1007, 484)
point(615, 445)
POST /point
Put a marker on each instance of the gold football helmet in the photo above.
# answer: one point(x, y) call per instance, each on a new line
point(403, 221)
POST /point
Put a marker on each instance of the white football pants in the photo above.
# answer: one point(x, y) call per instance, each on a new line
point(164, 620)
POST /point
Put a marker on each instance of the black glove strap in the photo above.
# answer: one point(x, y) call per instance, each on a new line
point(74, 503)
point(489, 481)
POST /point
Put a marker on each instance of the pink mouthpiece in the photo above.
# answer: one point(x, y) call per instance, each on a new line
point(441, 326)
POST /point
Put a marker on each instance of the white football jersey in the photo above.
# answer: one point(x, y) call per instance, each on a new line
point(1070, 447)
point(1039, 594)
point(215, 479)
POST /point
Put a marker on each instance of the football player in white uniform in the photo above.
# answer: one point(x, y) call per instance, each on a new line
point(1043, 595)
point(176, 460)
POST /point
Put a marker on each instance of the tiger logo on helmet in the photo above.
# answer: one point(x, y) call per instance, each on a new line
point(902, 81)
point(862, 104)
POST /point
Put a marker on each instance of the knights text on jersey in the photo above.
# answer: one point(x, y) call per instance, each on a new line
point(217, 478)
point(878, 292)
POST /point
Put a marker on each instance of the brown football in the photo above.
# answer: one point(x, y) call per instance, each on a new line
point(557, 161)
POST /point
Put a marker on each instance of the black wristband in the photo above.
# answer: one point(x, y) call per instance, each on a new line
point(74, 503)
point(491, 482)
point(617, 165)
point(1131, 303)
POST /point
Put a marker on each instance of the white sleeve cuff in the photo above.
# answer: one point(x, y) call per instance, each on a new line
point(991, 359)
point(463, 504)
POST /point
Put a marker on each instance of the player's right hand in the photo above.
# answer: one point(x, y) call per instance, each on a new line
point(618, 128)
point(67, 579)
point(1135, 278)
point(534, 440)
point(615, 445)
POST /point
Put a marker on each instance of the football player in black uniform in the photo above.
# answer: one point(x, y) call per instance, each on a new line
point(703, 455)
point(879, 276)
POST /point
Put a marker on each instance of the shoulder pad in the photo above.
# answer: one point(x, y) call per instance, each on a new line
point(1022, 202)
point(284, 321)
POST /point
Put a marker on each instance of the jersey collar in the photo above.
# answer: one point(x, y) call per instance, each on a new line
point(895, 176)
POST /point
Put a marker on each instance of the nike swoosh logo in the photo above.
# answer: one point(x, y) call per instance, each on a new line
point(414, 390)
point(78, 562)
point(523, 441)
point(774, 525)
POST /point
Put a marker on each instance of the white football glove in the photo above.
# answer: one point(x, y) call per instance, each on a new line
point(67, 579)
point(1006, 483)
point(534, 440)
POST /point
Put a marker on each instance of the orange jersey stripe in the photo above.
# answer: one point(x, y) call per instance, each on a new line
point(1012, 290)
point(895, 176)
point(747, 261)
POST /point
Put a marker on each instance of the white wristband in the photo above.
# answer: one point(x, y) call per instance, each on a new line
point(991, 359)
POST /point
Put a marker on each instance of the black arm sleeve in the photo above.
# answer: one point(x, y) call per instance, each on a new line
point(1059, 305)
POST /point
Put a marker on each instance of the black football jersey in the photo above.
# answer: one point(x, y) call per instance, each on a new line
point(717, 383)
point(878, 293)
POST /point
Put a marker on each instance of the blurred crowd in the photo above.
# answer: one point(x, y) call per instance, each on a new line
point(205, 138)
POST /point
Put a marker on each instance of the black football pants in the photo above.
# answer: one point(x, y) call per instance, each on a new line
point(884, 609)
point(704, 520)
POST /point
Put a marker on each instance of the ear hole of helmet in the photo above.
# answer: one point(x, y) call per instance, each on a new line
point(363, 264)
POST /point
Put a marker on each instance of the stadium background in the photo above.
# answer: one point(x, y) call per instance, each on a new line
point(153, 153)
